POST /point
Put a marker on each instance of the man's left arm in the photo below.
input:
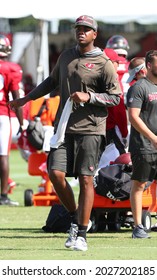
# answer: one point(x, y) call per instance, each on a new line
point(104, 99)
point(110, 88)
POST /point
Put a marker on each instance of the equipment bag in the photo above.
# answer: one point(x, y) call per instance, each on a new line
point(58, 219)
point(114, 182)
point(35, 133)
point(35, 130)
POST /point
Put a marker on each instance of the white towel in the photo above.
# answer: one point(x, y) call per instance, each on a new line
point(58, 138)
point(49, 132)
point(110, 154)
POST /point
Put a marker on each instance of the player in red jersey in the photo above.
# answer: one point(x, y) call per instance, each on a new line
point(10, 77)
point(116, 125)
point(121, 47)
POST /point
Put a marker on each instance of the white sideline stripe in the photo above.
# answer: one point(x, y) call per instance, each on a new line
point(124, 247)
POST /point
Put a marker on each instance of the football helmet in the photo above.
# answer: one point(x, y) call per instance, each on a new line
point(124, 159)
point(119, 44)
point(5, 47)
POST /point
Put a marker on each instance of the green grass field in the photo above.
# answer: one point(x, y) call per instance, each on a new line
point(21, 236)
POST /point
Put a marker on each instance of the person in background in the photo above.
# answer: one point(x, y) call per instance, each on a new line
point(25, 86)
point(142, 108)
point(15, 126)
point(88, 85)
point(19, 139)
point(116, 123)
point(137, 69)
point(10, 78)
point(121, 47)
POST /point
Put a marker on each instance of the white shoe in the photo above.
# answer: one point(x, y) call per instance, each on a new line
point(70, 242)
point(80, 244)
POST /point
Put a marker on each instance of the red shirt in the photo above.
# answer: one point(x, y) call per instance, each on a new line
point(10, 77)
point(117, 116)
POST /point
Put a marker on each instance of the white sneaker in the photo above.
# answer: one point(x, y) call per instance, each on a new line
point(80, 244)
point(70, 242)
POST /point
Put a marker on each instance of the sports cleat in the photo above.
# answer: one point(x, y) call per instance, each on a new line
point(139, 232)
point(80, 244)
point(7, 201)
point(70, 242)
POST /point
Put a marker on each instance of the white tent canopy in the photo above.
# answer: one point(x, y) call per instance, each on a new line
point(112, 11)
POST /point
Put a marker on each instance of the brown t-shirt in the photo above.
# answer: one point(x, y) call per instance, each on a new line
point(93, 73)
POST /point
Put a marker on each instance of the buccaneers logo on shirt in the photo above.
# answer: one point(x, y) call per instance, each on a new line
point(152, 96)
point(89, 66)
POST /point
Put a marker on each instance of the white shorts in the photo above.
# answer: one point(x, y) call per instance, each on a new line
point(14, 128)
point(5, 135)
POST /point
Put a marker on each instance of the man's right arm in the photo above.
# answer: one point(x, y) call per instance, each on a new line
point(42, 89)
